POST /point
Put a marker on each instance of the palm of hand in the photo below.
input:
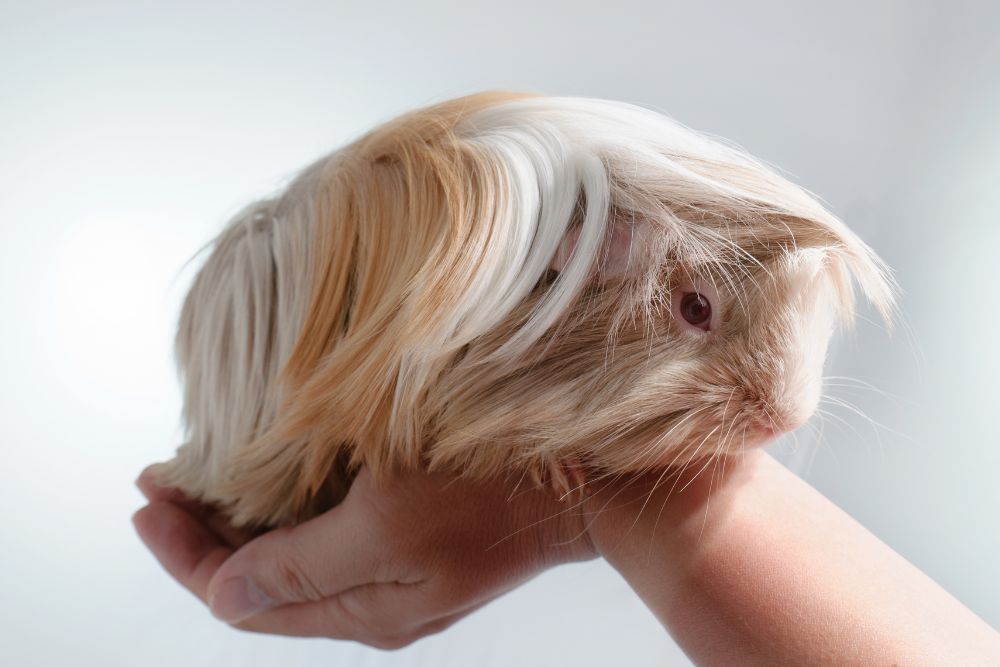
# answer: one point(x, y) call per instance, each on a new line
point(389, 565)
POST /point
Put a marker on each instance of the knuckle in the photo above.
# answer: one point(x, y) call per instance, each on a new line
point(344, 612)
point(293, 581)
point(355, 618)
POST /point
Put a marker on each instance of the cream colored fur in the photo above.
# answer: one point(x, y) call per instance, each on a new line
point(488, 286)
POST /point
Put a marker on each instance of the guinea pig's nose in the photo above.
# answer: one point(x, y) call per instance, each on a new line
point(772, 422)
point(778, 408)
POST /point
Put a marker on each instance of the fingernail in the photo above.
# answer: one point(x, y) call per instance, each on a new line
point(237, 599)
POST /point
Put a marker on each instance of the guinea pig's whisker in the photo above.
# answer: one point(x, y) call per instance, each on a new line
point(565, 510)
point(720, 460)
point(520, 480)
point(649, 496)
point(818, 432)
point(876, 426)
point(820, 428)
point(708, 461)
point(840, 420)
point(621, 490)
point(769, 411)
point(693, 458)
point(846, 382)
point(678, 473)
point(647, 454)
point(832, 417)
point(725, 411)
point(649, 451)
point(830, 448)
point(633, 480)
point(726, 440)
point(815, 432)
point(795, 440)
point(683, 453)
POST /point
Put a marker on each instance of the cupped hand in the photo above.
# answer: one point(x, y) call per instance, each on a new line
point(392, 563)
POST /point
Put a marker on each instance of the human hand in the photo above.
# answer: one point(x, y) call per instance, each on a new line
point(387, 566)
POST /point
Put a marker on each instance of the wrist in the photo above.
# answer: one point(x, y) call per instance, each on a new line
point(669, 506)
point(562, 534)
point(535, 531)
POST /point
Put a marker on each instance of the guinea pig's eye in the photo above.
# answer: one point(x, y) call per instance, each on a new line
point(696, 310)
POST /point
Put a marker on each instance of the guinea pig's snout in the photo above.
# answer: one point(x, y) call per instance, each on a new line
point(781, 379)
point(777, 411)
point(778, 421)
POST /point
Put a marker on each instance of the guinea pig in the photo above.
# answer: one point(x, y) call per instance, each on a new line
point(507, 284)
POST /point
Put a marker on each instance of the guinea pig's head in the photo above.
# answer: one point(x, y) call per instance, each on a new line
point(508, 280)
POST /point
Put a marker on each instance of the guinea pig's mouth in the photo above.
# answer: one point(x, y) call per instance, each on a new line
point(761, 434)
point(735, 428)
point(769, 425)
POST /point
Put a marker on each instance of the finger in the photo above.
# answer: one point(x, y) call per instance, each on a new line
point(184, 547)
point(331, 553)
point(214, 520)
point(369, 613)
point(152, 490)
point(387, 615)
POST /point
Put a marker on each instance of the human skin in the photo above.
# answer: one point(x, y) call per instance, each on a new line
point(388, 565)
point(759, 568)
point(743, 564)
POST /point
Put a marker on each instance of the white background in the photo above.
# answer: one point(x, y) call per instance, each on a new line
point(130, 131)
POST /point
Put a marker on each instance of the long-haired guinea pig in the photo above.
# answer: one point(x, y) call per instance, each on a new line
point(507, 284)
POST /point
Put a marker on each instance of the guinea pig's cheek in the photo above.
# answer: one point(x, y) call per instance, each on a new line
point(817, 327)
point(806, 354)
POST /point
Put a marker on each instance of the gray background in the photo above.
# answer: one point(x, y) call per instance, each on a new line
point(130, 131)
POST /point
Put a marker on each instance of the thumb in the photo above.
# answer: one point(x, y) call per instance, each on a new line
point(317, 559)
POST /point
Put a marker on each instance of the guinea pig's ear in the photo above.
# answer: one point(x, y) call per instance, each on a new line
point(618, 252)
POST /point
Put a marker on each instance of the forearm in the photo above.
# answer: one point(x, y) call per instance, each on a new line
point(762, 568)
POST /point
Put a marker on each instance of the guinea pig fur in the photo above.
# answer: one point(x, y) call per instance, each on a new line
point(507, 284)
